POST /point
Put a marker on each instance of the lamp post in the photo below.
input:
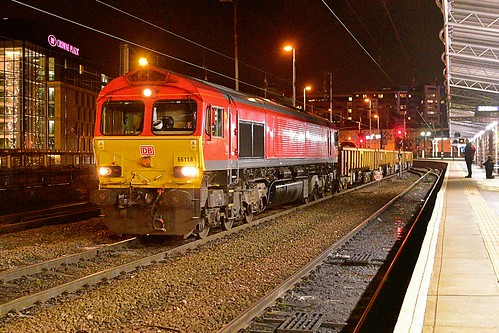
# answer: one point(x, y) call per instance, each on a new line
point(305, 96)
point(425, 135)
point(379, 133)
point(290, 48)
point(370, 131)
point(236, 62)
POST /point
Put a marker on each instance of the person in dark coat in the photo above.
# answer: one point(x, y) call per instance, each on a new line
point(489, 168)
point(469, 154)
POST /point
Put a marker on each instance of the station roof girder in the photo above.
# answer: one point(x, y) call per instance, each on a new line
point(471, 39)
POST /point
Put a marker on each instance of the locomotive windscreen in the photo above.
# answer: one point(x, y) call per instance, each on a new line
point(122, 118)
point(174, 115)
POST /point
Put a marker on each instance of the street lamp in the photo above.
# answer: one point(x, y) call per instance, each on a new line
point(425, 135)
point(288, 48)
point(305, 97)
point(370, 132)
point(379, 133)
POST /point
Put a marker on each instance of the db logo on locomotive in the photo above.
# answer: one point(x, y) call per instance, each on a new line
point(147, 150)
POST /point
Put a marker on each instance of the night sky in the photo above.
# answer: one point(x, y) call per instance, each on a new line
point(401, 35)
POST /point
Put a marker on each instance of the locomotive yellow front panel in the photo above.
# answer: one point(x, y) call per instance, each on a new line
point(149, 163)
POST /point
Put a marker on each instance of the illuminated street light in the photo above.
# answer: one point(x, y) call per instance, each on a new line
point(425, 135)
point(305, 96)
point(288, 48)
point(370, 131)
point(379, 133)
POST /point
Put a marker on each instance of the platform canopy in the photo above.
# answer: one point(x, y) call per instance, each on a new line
point(471, 38)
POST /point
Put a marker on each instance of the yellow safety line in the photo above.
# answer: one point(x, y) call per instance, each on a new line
point(488, 222)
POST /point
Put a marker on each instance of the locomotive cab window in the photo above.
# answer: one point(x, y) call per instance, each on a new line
point(214, 121)
point(174, 117)
point(122, 118)
point(217, 127)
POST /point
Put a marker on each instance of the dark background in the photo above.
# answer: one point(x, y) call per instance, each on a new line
point(401, 35)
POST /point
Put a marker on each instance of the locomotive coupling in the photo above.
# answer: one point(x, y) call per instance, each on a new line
point(103, 197)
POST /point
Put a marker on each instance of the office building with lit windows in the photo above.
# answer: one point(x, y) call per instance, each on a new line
point(432, 103)
point(47, 95)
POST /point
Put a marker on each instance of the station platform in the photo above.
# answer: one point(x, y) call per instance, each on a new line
point(455, 284)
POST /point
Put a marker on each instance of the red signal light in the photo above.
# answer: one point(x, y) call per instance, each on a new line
point(399, 132)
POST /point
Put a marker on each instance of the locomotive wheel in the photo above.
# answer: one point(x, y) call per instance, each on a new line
point(226, 223)
point(318, 193)
point(248, 216)
point(202, 229)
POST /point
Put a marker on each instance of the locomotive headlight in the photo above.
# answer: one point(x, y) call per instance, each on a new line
point(147, 92)
point(185, 171)
point(110, 171)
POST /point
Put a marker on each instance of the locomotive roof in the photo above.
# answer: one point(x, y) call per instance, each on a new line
point(158, 76)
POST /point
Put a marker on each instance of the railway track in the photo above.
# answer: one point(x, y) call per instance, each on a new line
point(71, 273)
point(50, 216)
point(26, 286)
point(336, 291)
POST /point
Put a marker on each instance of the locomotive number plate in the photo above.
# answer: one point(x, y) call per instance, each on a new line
point(185, 159)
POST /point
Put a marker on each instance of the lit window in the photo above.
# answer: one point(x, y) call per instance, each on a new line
point(51, 94)
point(51, 69)
point(51, 127)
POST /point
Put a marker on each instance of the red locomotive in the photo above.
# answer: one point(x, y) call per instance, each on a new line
point(178, 155)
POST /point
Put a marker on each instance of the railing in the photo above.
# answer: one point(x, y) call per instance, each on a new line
point(15, 159)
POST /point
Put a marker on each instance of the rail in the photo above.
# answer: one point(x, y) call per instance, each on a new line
point(257, 309)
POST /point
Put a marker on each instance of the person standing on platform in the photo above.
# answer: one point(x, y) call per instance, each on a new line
point(469, 154)
point(489, 168)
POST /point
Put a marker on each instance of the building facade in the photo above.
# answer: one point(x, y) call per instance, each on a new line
point(47, 97)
